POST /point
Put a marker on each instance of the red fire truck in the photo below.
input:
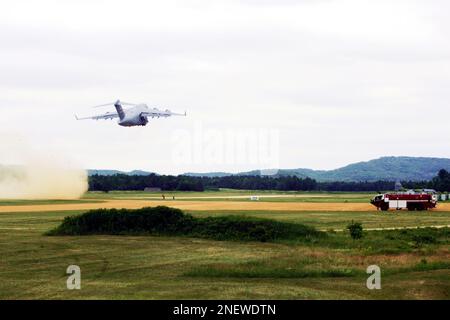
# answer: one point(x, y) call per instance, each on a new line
point(405, 200)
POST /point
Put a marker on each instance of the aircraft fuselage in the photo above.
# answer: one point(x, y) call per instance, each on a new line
point(134, 116)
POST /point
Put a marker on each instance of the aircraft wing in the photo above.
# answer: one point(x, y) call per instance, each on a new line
point(106, 116)
point(160, 113)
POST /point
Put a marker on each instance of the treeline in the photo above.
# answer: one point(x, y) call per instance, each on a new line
point(139, 182)
point(188, 183)
point(283, 183)
point(442, 181)
point(369, 185)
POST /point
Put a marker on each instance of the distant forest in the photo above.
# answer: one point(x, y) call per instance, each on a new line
point(283, 183)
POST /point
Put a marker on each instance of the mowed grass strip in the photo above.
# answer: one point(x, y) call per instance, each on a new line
point(237, 195)
point(264, 269)
point(234, 271)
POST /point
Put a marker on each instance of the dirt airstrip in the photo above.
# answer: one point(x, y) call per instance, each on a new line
point(203, 206)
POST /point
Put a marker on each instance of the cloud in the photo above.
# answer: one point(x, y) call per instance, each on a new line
point(351, 70)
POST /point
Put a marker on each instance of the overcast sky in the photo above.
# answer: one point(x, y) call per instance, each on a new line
point(321, 84)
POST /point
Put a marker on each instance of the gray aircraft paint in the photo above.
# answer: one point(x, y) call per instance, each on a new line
point(138, 115)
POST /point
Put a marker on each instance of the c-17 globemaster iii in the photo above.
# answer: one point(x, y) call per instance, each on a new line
point(137, 115)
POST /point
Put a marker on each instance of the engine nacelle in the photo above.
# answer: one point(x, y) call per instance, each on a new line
point(143, 119)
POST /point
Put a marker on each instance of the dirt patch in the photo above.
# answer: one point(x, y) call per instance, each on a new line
point(204, 206)
point(196, 205)
point(143, 197)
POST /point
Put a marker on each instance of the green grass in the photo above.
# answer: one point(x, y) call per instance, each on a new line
point(147, 267)
point(167, 221)
point(265, 269)
point(268, 272)
point(287, 196)
point(339, 219)
point(160, 267)
point(133, 194)
point(312, 198)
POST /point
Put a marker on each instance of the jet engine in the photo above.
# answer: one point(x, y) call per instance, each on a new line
point(143, 119)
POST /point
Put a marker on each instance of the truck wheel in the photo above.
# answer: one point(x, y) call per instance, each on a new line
point(384, 208)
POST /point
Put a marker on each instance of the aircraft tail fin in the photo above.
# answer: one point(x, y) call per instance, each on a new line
point(119, 109)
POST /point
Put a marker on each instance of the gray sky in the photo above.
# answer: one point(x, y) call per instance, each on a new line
point(333, 82)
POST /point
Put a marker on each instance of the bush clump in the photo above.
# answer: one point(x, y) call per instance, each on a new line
point(248, 228)
point(420, 236)
point(163, 220)
point(356, 230)
point(123, 221)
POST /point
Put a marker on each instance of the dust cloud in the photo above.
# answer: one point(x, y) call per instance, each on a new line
point(38, 174)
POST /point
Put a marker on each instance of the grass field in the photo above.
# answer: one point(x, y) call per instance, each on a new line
point(339, 220)
point(237, 195)
point(147, 267)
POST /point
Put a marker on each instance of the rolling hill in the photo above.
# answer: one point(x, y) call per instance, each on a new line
point(113, 172)
point(385, 168)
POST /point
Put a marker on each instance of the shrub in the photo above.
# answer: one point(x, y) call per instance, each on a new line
point(421, 239)
point(247, 228)
point(169, 221)
point(419, 236)
point(356, 230)
point(112, 221)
